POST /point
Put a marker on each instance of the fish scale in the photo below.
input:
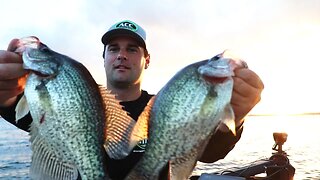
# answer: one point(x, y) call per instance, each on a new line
point(75, 121)
point(184, 115)
point(75, 137)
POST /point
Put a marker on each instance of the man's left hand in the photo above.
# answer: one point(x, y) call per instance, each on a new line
point(246, 94)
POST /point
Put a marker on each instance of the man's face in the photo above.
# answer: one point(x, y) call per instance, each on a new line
point(124, 62)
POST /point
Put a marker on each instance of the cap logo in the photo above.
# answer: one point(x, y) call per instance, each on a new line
point(127, 25)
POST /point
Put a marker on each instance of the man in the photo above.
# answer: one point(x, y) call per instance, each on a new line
point(125, 59)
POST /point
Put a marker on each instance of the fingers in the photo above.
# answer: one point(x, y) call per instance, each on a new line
point(242, 105)
point(13, 84)
point(246, 92)
point(247, 87)
point(11, 71)
point(9, 57)
point(248, 101)
point(12, 75)
point(9, 90)
point(13, 45)
point(11, 63)
point(249, 77)
point(243, 88)
point(7, 95)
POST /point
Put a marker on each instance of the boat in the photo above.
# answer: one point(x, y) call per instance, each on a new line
point(277, 167)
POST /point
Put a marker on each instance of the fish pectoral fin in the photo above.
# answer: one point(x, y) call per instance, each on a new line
point(22, 108)
point(45, 163)
point(228, 119)
point(119, 126)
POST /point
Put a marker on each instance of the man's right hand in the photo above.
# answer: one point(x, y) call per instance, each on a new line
point(12, 75)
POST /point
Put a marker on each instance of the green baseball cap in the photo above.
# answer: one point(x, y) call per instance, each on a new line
point(126, 28)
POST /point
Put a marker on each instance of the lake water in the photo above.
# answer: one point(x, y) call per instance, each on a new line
point(302, 145)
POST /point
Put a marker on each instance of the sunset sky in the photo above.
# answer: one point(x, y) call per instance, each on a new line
point(279, 39)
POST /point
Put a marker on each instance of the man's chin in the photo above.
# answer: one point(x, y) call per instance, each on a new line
point(121, 84)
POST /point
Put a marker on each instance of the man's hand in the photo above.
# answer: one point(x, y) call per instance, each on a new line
point(246, 94)
point(12, 75)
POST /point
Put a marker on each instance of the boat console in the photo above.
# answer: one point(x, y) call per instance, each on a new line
point(277, 167)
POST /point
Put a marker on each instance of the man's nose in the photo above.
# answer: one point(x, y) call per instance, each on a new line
point(122, 55)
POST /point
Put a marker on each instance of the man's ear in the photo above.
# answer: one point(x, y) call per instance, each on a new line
point(147, 62)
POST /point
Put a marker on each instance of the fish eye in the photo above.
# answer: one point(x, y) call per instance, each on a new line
point(44, 48)
point(216, 57)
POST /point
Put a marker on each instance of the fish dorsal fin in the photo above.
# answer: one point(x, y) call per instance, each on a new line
point(119, 126)
point(228, 118)
point(45, 162)
point(22, 108)
point(140, 130)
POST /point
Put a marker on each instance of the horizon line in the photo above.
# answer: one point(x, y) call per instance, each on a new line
point(287, 114)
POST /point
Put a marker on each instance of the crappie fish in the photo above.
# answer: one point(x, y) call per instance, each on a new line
point(184, 115)
point(73, 118)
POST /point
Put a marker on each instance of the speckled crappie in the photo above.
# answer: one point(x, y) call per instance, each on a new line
point(73, 118)
point(184, 115)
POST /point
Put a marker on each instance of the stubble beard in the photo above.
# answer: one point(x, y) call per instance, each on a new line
point(121, 84)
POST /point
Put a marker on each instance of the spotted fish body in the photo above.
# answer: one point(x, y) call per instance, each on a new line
point(70, 115)
point(184, 115)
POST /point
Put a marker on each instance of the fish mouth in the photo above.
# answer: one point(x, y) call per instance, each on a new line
point(27, 42)
point(215, 79)
point(40, 74)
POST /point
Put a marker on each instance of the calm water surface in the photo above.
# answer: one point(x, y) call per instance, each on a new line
point(303, 147)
